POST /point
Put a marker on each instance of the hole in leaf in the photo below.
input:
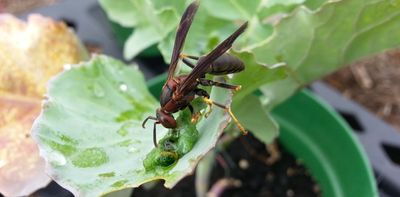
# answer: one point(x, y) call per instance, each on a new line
point(352, 120)
point(392, 152)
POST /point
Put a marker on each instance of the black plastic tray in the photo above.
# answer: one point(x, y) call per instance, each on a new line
point(380, 140)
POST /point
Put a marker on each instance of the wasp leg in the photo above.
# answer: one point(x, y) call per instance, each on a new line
point(204, 94)
point(227, 109)
point(191, 109)
point(201, 92)
point(145, 120)
point(182, 55)
point(154, 134)
point(188, 63)
point(195, 115)
point(206, 82)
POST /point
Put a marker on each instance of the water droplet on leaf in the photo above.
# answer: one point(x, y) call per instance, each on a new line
point(119, 183)
point(136, 141)
point(133, 150)
point(125, 143)
point(122, 131)
point(91, 157)
point(98, 90)
point(123, 87)
point(125, 128)
point(57, 158)
point(107, 175)
point(67, 66)
point(129, 115)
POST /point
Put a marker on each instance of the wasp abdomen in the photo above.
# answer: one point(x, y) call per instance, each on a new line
point(226, 64)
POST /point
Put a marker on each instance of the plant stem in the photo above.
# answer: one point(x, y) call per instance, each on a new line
point(203, 173)
point(221, 185)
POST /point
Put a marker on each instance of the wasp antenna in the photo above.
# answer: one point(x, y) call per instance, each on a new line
point(144, 124)
point(155, 135)
point(145, 121)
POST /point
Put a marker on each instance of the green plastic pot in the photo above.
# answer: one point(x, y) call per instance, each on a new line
point(317, 135)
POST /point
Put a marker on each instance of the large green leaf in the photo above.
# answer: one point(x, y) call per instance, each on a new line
point(252, 114)
point(337, 34)
point(120, 12)
point(314, 4)
point(255, 75)
point(276, 9)
point(150, 25)
point(232, 9)
point(90, 130)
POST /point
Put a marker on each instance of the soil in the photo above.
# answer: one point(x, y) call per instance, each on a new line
point(248, 168)
point(373, 82)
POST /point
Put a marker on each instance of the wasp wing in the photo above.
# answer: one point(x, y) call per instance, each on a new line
point(183, 28)
point(203, 63)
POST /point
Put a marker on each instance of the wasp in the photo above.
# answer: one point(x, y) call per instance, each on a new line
point(178, 91)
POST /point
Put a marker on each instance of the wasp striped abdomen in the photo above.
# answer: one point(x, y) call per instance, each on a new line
point(226, 64)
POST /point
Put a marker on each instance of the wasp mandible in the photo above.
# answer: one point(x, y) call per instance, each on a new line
point(178, 91)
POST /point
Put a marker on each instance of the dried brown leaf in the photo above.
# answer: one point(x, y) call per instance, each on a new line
point(30, 53)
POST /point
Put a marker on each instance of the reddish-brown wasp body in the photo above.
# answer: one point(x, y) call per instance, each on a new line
point(179, 91)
